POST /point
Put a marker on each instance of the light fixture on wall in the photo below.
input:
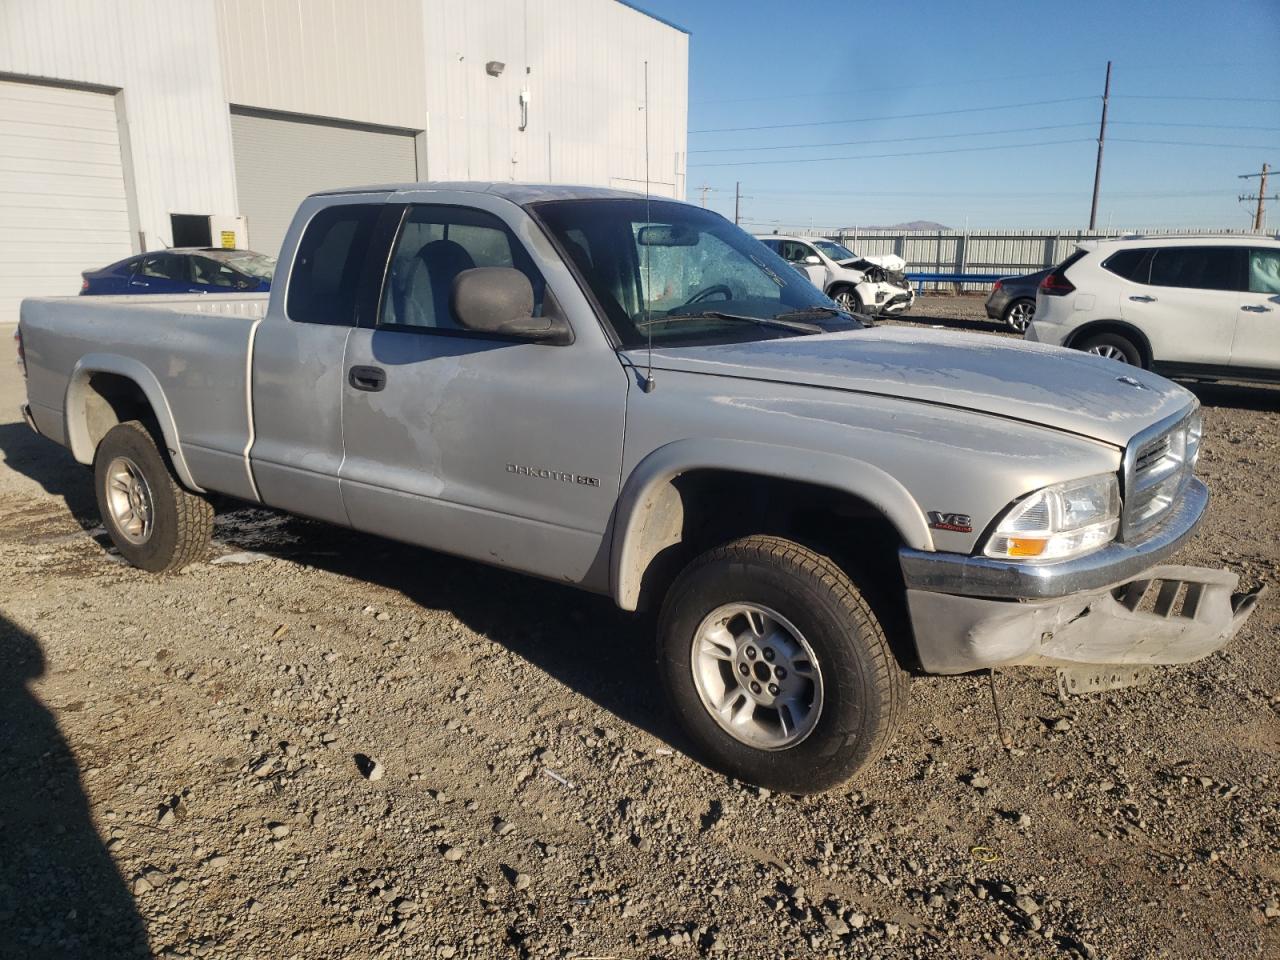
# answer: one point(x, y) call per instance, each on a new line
point(494, 68)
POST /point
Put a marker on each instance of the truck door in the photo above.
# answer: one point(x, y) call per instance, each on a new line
point(298, 376)
point(506, 451)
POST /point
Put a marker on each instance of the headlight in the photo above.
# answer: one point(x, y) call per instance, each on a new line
point(1064, 520)
point(1195, 429)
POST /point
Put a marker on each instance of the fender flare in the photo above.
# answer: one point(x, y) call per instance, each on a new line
point(76, 421)
point(644, 489)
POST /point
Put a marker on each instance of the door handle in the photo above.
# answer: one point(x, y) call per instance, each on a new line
point(1256, 308)
point(1143, 299)
point(371, 379)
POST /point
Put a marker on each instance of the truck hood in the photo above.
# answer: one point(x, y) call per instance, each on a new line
point(1029, 382)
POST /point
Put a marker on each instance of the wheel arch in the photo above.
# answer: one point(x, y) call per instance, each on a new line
point(1119, 327)
point(651, 514)
point(106, 389)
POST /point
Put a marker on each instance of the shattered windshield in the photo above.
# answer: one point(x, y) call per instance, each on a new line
point(684, 274)
point(835, 250)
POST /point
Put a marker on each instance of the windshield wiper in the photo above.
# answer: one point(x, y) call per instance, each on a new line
point(739, 317)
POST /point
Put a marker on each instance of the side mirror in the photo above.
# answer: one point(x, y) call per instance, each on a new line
point(812, 260)
point(499, 300)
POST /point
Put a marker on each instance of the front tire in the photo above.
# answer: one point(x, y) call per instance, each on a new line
point(847, 299)
point(776, 666)
point(155, 523)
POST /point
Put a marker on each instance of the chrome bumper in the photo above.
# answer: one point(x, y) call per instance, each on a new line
point(1115, 606)
point(1115, 563)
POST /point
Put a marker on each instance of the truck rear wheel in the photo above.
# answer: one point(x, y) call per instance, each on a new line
point(776, 666)
point(154, 522)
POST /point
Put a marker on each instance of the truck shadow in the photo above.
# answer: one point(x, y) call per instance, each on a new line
point(582, 640)
point(52, 467)
point(60, 892)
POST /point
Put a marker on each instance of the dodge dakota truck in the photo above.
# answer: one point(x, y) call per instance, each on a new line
point(633, 396)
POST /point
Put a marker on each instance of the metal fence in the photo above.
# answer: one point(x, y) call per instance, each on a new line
point(1009, 252)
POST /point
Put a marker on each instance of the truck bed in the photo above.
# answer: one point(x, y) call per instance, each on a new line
point(189, 353)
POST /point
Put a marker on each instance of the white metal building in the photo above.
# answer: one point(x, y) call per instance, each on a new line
point(115, 117)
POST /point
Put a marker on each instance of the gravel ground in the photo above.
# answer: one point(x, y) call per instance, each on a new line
point(321, 744)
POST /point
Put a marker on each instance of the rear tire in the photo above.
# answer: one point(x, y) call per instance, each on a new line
point(1019, 314)
point(1113, 346)
point(736, 615)
point(155, 523)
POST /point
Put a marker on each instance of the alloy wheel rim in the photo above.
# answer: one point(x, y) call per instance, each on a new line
point(846, 301)
point(1020, 315)
point(1109, 351)
point(129, 500)
point(757, 676)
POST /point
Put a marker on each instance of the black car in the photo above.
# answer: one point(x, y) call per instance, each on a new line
point(1013, 300)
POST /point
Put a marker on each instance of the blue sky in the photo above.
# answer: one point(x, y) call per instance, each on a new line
point(754, 63)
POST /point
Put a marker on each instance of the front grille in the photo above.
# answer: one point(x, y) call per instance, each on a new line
point(1158, 465)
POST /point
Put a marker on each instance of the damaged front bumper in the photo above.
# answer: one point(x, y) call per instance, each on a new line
point(1117, 607)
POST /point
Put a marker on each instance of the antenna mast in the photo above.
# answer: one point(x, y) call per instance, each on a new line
point(648, 276)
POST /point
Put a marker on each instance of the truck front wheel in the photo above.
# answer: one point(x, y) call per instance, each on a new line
point(777, 668)
point(154, 522)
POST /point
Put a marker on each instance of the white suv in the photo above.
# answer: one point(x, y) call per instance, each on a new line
point(1205, 307)
point(873, 286)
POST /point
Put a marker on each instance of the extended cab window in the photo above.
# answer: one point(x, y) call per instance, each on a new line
point(435, 244)
point(1197, 268)
point(326, 269)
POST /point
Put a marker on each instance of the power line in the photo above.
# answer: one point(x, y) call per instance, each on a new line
point(856, 143)
point(882, 156)
point(1136, 96)
point(1199, 143)
point(1196, 126)
point(901, 116)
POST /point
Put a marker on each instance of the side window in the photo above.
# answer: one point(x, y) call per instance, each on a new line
point(210, 273)
point(162, 266)
point(1133, 265)
point(1197, 268)
point(435, 244)
point(1264, 270)
point(326, 268)
point(774, 245)
point(794, 251)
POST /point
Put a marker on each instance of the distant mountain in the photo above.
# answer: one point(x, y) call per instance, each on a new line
point(909, 225)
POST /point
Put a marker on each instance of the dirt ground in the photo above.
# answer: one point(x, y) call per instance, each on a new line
point(184, 763)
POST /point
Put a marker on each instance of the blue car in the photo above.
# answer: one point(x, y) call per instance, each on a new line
point(183, 270)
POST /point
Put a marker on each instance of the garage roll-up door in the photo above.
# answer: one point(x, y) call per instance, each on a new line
point(62, 193)
point(280, 160)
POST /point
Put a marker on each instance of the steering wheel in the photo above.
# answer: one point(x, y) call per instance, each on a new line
point(706, 292)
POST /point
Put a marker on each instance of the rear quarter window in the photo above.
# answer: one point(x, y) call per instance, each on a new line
point(1132, 264)
point(325, 277)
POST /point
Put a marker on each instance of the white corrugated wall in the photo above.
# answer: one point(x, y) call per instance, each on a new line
point(162, 56)
point(582, 62)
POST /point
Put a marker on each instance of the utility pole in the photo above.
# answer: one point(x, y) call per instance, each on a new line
point(1102, 136)
point(737, 201)
point(704, 190)
point(1261, 198)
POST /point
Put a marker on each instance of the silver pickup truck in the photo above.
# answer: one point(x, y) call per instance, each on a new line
point(633, 396)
